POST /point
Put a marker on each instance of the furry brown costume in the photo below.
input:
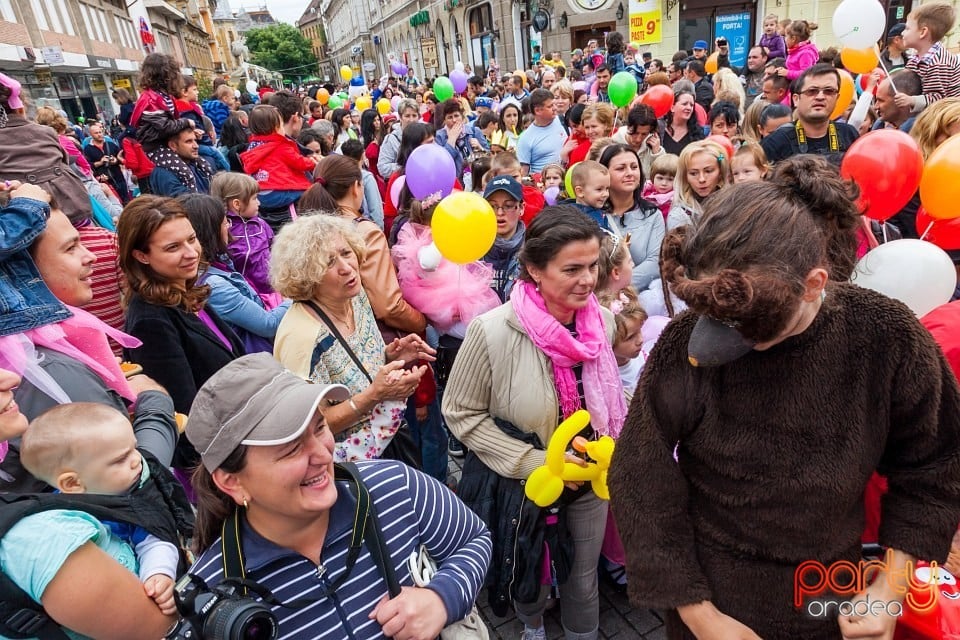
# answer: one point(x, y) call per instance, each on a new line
point(775, 450)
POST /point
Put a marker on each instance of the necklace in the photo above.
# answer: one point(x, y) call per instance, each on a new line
point(348, 323)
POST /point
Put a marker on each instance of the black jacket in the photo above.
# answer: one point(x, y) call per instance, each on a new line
point(518, 527)
point(180, 352)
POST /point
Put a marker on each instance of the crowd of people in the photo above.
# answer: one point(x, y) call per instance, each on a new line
point(235, 312)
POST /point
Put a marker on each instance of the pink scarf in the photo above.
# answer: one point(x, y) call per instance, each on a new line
point(601, 378)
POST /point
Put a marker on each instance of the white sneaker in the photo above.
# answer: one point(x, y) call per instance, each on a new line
point(533, 634)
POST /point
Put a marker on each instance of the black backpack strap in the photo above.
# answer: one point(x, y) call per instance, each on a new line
point(375, 544)
point(234, 570)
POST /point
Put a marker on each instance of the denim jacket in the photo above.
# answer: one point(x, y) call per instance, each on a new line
point(25, 301)
point(235, 301)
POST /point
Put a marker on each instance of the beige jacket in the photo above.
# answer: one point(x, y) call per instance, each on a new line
point(379, 278)
point(499, 372)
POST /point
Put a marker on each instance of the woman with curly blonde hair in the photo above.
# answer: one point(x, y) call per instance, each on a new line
point(330, 334)
point(727, 86)
point(938, 122)
point(184, 342)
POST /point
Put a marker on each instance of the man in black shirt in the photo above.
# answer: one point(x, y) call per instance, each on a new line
point(815, 97)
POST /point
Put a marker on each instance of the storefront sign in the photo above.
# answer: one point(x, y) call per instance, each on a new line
point(121, 83)
point(735, 27)
point(52, 55)
point(98, 86)
point(428, 49)
point(101, 63)
point(645, 18)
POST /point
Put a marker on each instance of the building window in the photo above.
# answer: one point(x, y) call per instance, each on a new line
point(86, 18)
point(103, 24)
point(67, 20)
point(6, 11)
point(40, 16)
point(481, 20)
point(483, 49)
point(54, 18)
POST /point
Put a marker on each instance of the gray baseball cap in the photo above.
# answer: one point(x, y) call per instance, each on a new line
point(253, 401)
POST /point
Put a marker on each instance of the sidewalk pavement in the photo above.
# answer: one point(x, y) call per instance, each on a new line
point(619, 620)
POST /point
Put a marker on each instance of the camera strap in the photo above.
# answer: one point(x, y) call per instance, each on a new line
point(233, 564)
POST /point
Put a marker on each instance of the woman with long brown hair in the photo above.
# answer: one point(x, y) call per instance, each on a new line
point(184, 341)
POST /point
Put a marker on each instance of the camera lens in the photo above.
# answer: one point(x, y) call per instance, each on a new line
point(241, 619)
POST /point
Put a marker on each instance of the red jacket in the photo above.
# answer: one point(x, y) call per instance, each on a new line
point(275, 162)
point(135, 159)
point(533, 203)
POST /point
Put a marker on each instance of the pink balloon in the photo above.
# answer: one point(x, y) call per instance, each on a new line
point(395, 190)
point(394, 101)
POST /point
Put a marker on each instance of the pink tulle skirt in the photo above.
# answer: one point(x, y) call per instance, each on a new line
point(451, 295)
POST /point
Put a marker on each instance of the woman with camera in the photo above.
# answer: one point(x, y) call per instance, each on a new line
point(268, 483)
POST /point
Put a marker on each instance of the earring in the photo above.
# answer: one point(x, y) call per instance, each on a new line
point(245, 504)
point(538, 286)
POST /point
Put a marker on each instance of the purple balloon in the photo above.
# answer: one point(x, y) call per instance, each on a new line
point(429, 170)
point(551, 194)
point(398, 68)
point(459, 80)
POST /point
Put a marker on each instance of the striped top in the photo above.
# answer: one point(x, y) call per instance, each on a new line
point(413, 509)
point(939, 72)
point(106, 277)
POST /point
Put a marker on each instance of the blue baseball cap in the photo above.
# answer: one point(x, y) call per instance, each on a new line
point(700, 44)
point(507, 184)
point(484, 101)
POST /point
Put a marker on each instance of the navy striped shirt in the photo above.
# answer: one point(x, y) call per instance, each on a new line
point(413, 509)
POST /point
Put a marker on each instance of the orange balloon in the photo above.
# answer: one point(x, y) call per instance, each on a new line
point(940, 184)
point(323, 96)
point(712, 63)
point(859, 60)
point(846, 94)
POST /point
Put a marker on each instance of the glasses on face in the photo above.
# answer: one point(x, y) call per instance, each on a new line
point(813, 92)
point(507, 207)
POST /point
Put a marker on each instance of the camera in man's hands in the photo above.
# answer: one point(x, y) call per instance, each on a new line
point(220, 613)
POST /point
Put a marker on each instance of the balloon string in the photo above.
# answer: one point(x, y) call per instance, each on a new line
point(929, 227)
point(876, 48)
point(883, 226)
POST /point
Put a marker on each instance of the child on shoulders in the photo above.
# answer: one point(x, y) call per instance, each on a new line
point(939, 69)
point(274, 160)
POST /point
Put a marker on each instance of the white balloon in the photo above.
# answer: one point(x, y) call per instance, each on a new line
point(251, 86)
point(917, 273)
point(458, 66)
point(430, 257)
point(858, 24)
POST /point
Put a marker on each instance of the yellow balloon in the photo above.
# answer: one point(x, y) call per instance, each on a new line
point(845, 96)
point(464, 227)
point(383, 106)
point(546, 483)
point(568, 181)
point(522, 74)
point(859, 60)
point(346, 73)
point(363, 103)
point(712, 63)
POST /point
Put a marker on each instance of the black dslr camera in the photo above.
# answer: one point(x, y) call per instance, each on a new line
point(220, 613)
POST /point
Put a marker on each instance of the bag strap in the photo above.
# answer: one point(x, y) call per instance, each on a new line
point(378, 549)
point(233, 563)
point(336, 334)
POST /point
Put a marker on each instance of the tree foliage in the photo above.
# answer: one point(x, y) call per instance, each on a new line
point(281, 47)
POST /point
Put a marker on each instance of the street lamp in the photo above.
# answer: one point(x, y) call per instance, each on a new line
point(620, 11)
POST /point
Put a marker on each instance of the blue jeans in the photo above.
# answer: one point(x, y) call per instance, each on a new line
point(431, 437)
point(276, 198)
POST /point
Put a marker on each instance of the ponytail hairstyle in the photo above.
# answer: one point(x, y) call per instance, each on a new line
point(214, 507)
point(801, 30)
point(746, 260)
point(332, 179)
point(813, 182)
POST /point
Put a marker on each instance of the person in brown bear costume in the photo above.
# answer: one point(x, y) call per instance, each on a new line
point(779, 393)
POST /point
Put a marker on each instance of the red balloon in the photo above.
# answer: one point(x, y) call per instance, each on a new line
point(660, 99)
point(725, 143)
point(944, 233)
point(886, 165)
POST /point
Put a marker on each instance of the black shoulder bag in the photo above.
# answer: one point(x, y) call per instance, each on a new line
point(403, 447)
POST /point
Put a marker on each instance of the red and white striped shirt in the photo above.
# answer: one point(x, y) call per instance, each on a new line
point(107, 277)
